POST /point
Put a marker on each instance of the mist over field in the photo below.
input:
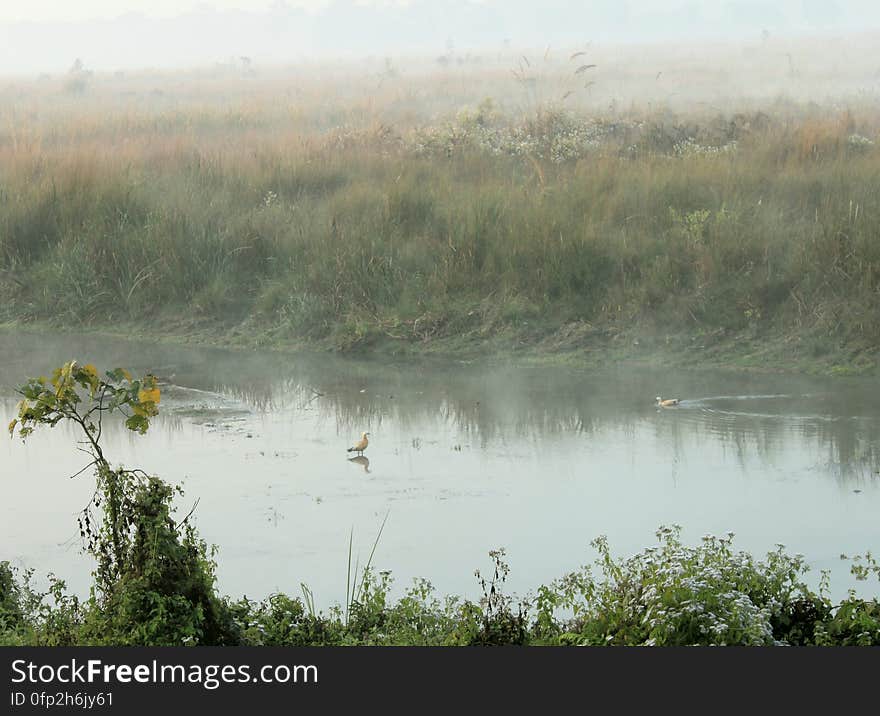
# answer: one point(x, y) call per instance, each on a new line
point(44, 37)
point(555, 195)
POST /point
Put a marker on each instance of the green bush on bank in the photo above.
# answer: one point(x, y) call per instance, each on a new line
point(669, 594)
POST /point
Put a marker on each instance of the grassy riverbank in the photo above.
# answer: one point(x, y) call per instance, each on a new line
point(731, 238)
point(580, 345)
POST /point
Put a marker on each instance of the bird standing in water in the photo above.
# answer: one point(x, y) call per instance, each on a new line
point(668, 403)
point(360, 445)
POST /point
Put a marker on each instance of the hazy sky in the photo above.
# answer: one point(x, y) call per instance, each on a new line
point(78, 10)
point(53, 10)
point(46, 35)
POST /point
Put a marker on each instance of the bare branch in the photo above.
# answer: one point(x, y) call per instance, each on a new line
point(80, 472)
point(188, 514)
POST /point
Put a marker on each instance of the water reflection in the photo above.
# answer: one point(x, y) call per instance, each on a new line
point(361, 460)
point(487, 405)
point(467, 456)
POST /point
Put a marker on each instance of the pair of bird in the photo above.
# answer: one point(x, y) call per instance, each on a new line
point(362, 444)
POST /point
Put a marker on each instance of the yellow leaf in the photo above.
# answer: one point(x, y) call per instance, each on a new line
point(61, 378)
point(12, 426)
point(92, 374)
point(149, 395)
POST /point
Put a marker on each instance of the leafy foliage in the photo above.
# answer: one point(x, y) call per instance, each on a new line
point(11, 616)
point(154, 582)
point(48, 402)
point(673, 594)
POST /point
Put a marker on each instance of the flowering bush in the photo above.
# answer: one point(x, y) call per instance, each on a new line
point(673, 594)
point(554, 135)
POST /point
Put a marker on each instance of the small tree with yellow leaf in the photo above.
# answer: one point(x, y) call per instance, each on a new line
point(154, 582)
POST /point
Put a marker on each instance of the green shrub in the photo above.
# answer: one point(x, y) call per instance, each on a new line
point(674, 594)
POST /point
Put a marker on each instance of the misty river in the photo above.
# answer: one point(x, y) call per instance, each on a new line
point(463, 458)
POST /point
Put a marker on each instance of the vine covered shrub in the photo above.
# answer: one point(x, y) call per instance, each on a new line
point(11, 615)
point(166, 593)
point(154, 582)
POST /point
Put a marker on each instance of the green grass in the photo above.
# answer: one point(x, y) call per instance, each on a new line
point(479, 230)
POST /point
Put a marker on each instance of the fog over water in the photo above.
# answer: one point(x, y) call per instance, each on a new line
point(463, 458)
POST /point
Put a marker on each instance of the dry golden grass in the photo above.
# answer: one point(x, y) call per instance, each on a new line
point(364, 201)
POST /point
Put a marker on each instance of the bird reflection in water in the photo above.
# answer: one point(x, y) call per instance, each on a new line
point(362, 460)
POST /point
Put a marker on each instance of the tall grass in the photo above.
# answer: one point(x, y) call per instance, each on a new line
point(481, 223)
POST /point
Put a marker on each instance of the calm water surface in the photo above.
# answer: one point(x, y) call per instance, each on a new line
point(463, 458)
